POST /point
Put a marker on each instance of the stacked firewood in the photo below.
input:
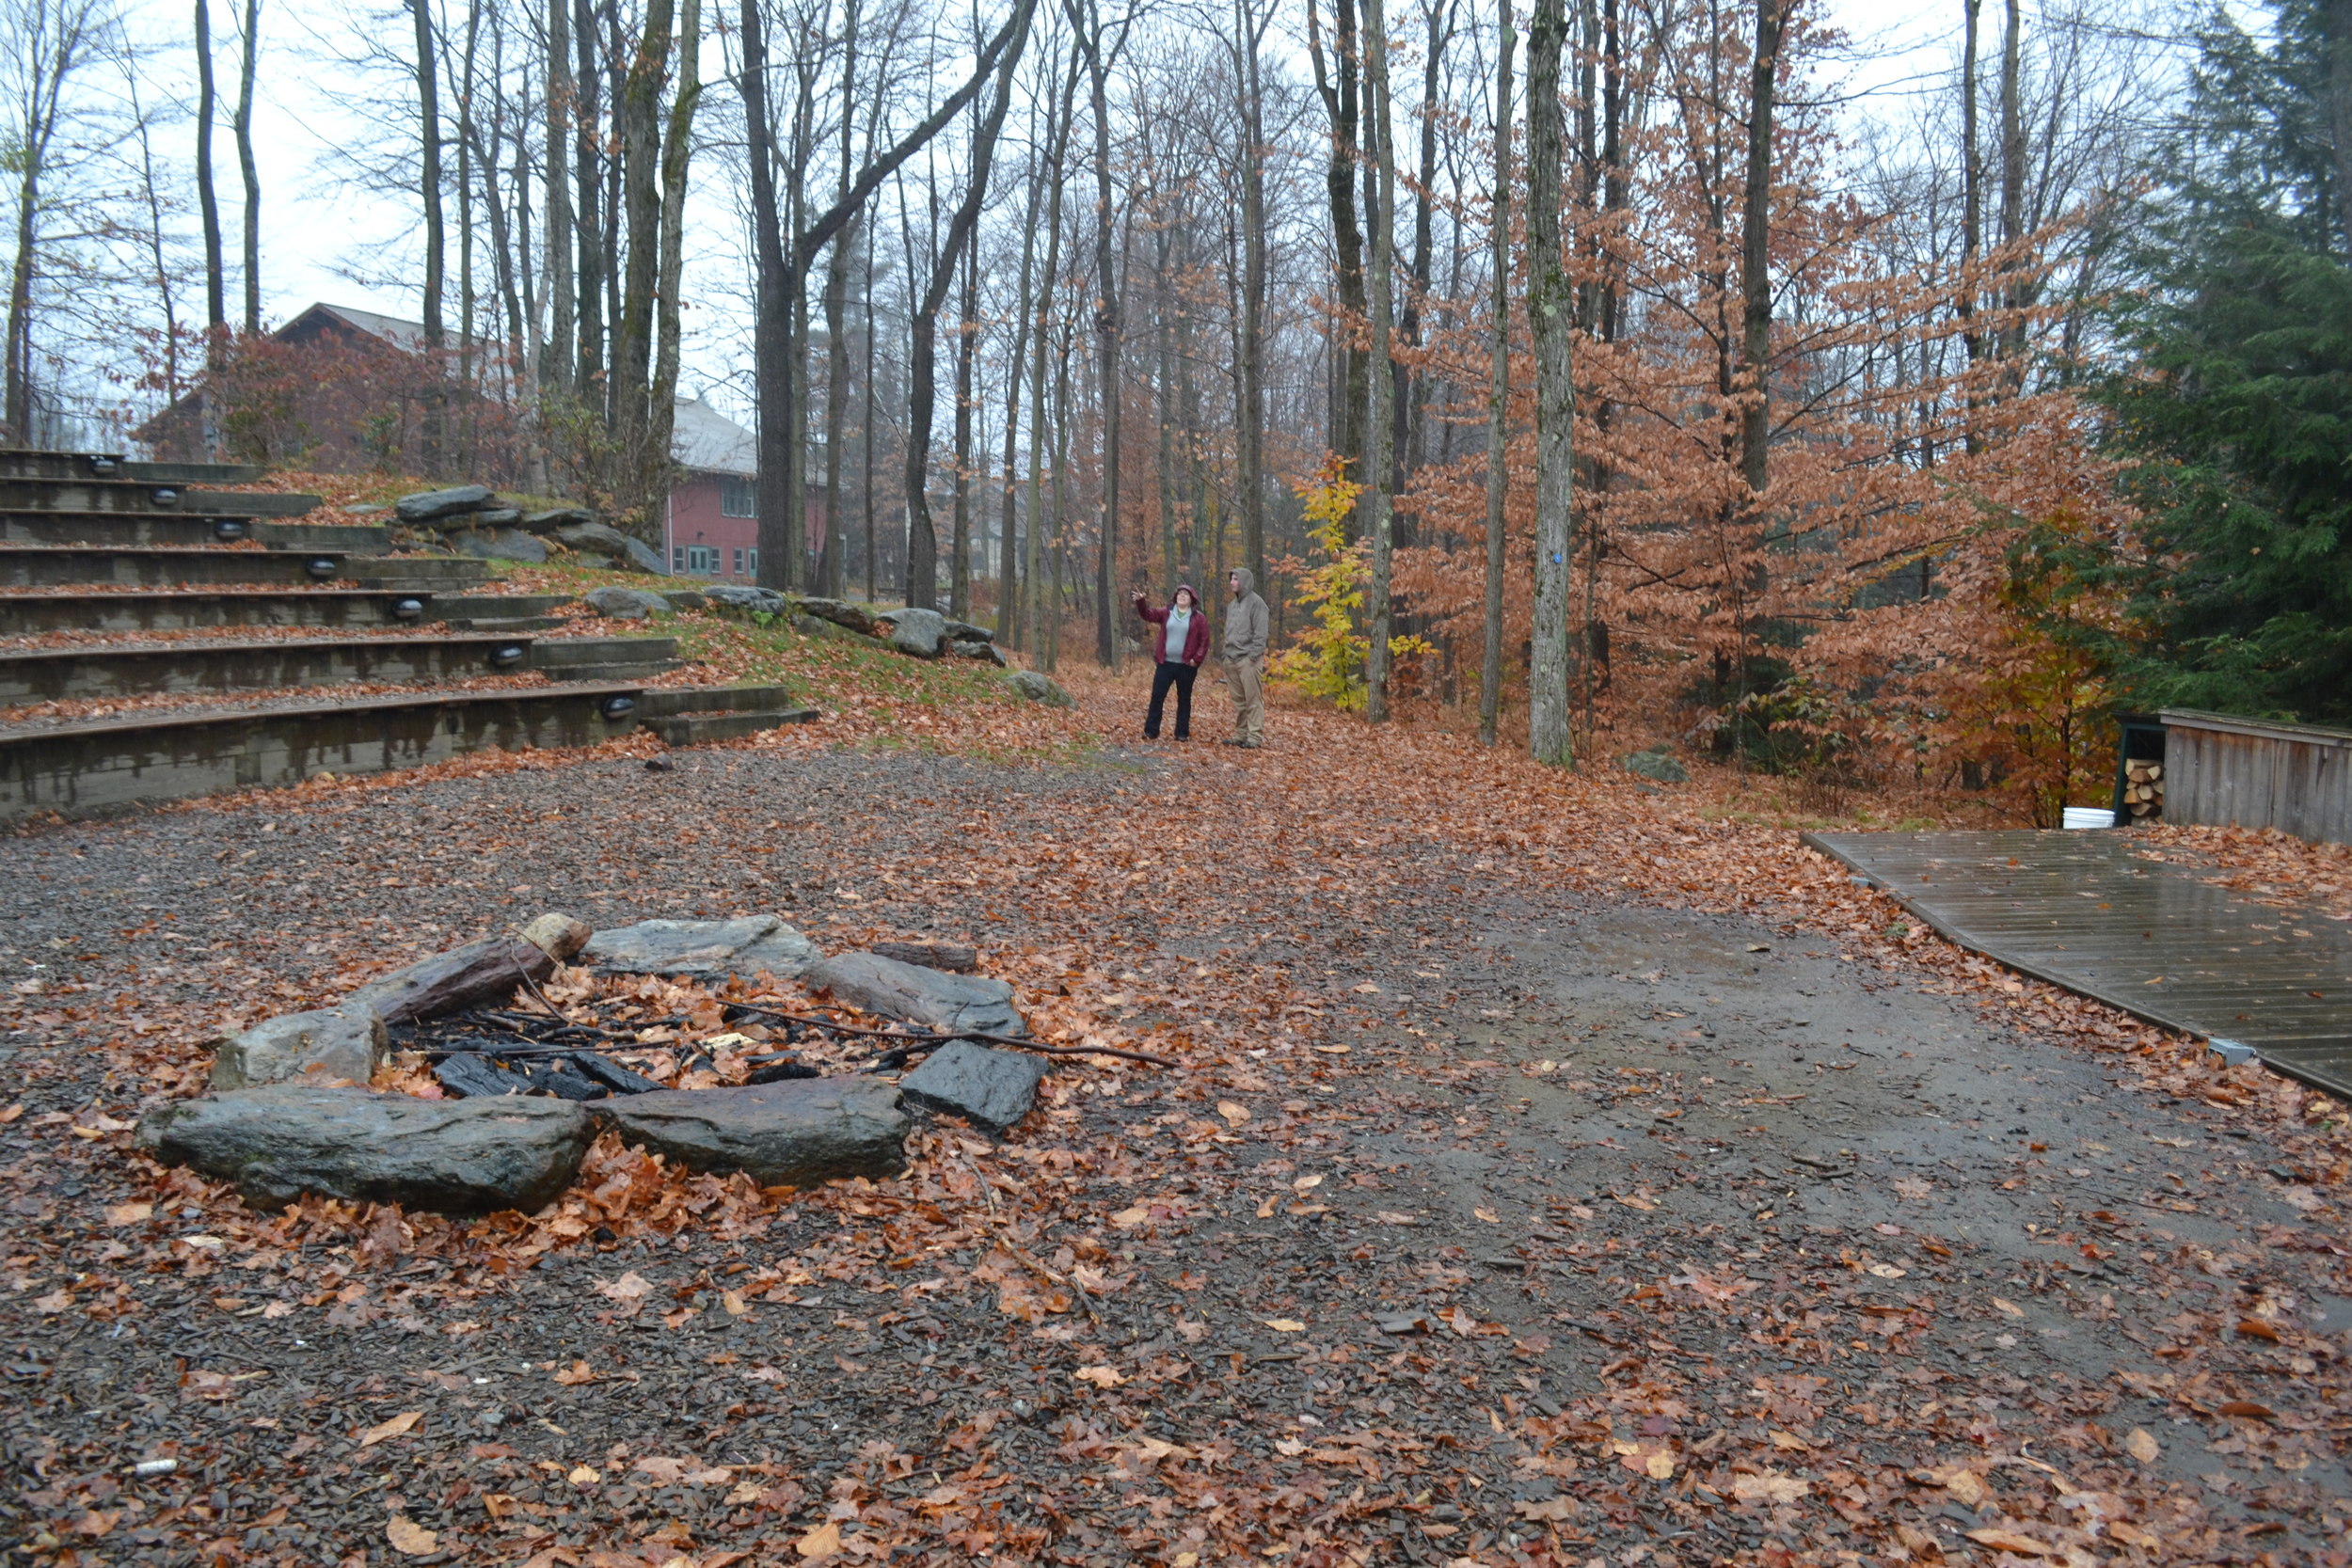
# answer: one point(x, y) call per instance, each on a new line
point(2143, 790)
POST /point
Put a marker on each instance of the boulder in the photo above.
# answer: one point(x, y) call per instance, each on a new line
point(601, 539)
point(686, 599)
point(331, 1043)
point(556, 517)
point(626, 603)
point(499, 544)
point(938, 955)
point(447, 982)
point(1038, 689)
point(499, 517)
point(737, 598)
point(796, 1132)
point(427, 505)
point(953, 1004)
point(450, 1156)
point(839, 613)
point(990, 1089)
point(986, 653)
point(921, 633)
point(1657, 763)
point(702, 947)
point(965, 631)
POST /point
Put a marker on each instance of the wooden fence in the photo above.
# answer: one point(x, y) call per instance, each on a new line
point(2222, 771)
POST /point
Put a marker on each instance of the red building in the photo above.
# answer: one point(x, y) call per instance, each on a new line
point(710, 527)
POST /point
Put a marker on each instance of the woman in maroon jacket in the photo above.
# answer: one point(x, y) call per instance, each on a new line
point(1180, 641)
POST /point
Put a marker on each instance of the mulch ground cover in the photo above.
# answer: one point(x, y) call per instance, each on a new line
point(1554, 1173)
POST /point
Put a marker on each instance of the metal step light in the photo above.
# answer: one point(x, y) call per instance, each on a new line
point(164, 499)
point(408, 610)
point(617, 708)
point(102, 467)
point(229, 530)
point(508, 656)
point(323, 566)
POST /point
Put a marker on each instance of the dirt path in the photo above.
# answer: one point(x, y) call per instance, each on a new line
point(1501, 1213)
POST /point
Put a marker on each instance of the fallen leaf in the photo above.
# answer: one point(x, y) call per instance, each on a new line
point(2248, 1410)
point(2010, 1540)
point(394, 1427)
point(1306, 1184)
point(130, 1213)
point(1637, 1202)
point(1912, 1188)
point(582, 1476)
point(1233, 1111)
point(410, 1540)
point(2007, 1309)
point(1964, 1484)
point(1552, 1509)
point(1771, 1487)
point(1460, 1322)
point(1887, 1271)
point(1284, 1326)
point(2141, 1445)
point(12, 1113)
point(1289, 1448)
point(54, 1302)
point(575, 1375)
point(1389, 1217)
point(824, 1541)
point(632, 1285)
point(1789, 1440)
point(1660, 1466)
point(1488, 1215)
point(1127, 1219)
point(2255, 1328)
point(1101, 1377)
point(733, 1300)
point(1401, 1322)
point(1332, 1050)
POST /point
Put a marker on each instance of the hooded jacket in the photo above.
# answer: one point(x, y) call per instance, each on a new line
point(1247, 623)
point(1195, 647)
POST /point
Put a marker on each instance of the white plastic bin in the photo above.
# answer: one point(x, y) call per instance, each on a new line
point(2090, 816)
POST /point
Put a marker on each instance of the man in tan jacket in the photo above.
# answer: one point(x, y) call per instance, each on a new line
point(1247, 626)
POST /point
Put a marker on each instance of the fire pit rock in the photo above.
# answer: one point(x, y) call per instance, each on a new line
point(952, 1003)
point(798, 1132)
point(701, 949)
point(990, 1089)
point(333, 1042)
point(449, 1156)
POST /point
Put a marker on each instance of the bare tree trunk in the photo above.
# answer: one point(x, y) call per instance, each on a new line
point(830, 564)
point(677, 156)
point(1550, 313)
point(555, 361)
point(1497, 394)
point(246, 164)
point(1756, 254)
point(1972, 232)
point(215, 289)
point(772, 327)
point(469, 400)
point(922, 590)
point(1040, 605)
point(1088, 28)
point(640, 170)
point(866, 440)
point(1379, 509)
point(1009, 580)
point(1164, 378)
point(1248, 33)
point(429, 122)
point(1411, 418)
point(967, 339)
point(588, 152)
point(2012, 201)
point(1337, 87)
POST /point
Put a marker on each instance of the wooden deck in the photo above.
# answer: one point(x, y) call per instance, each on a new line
point(2079, 910)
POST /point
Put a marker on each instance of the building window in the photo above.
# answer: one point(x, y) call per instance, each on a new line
point(753, 554)
point(677, 558)
point(738, 498)
point(702, 560)
point(738, 561)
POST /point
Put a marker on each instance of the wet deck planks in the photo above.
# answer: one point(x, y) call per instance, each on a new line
point(2080, 909)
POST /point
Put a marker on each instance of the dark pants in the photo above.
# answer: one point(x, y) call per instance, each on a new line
point(1171, 672)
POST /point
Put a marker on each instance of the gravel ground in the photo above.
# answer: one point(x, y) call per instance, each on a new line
point(1643, 1189)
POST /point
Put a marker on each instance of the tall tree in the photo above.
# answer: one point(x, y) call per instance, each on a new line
point(251, 40)
point(1094, 42)
point(215, 289)
point(1247, 46)
point(639, 111)
point(1337, 80)
point(677, 150)
point(1497, 392)
point(922, 583)
point(1551, 315)
point(429, 180)
point(1756, 253)
point(49, 41)
point(555, 363)
point(1379, 509)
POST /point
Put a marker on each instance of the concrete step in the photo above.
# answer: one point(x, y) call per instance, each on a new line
point(132, 496)
point(427, 574)
point(60, 566)
point(192, 473)
point(603, 657)
point(108, 766)
point(691, 729)
point(277, 664)
point(667, 701)
point(29, 614)
point(186, 530)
